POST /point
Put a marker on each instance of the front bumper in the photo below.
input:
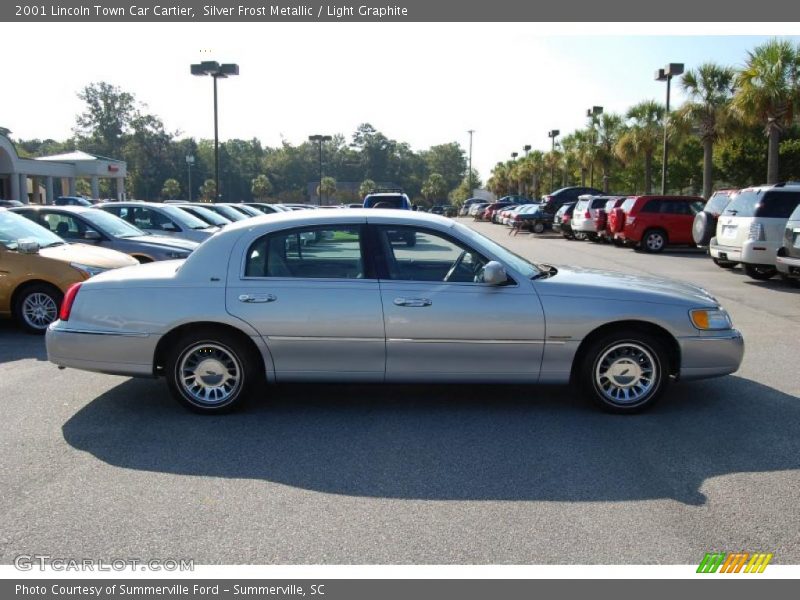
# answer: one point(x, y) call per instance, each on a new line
point(788, 266)
point(751, 252)
point(112, 352)
point(711, 356)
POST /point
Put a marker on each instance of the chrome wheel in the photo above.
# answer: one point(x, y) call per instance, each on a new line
point(626, 373)
point(209, 374)
point(655, 241)
point(39, 310)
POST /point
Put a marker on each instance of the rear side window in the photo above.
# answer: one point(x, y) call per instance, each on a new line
point(777, 205)
point(598, 203)
point(654, 206)
point(385, 202)
point(628, 204)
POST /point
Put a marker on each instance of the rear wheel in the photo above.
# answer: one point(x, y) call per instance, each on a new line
point(580, 236)
point(760, 272)
point(654, 241)
point(593, 237)
point(625, 372)
point(724, 264)
point(36, 306)
point(211, 371)
point(538, 227)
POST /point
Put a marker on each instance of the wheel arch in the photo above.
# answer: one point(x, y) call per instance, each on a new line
point(648, 327)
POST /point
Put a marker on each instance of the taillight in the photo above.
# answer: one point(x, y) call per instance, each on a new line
point(587, 215)
point(69, 299)
point(756, 232)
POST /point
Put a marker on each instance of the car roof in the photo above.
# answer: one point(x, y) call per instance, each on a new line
point(69, 208)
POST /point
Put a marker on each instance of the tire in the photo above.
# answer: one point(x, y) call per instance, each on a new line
point(210, 350)
point(537, 227)
point(618, 242)
point(606, 364)
point(593, 237)
point(724, 264)
point(760, 272)
point(654, 241)
point(36, 306)
point(703, 228)
point(580, 236)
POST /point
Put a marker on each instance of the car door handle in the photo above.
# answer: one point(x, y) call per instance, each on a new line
point(257, 298)
point(412, 302)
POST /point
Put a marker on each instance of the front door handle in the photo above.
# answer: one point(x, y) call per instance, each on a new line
point(412, 302)
point(257, 298)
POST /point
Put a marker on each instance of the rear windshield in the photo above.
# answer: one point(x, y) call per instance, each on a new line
point(599, 202)
point(770, 205)
point(389, 201)
point(581, 205)
point(717, 203)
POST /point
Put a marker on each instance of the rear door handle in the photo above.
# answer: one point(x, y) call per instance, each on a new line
point(257, 298)
point(415, 302)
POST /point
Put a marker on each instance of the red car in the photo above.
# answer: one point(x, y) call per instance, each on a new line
point(603, 222)
point(488, 213)
point(654, 222)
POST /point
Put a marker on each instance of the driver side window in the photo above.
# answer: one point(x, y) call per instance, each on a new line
point(421, 255)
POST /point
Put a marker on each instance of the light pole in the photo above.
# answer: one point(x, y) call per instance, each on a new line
point(552, 134)
point(470, 132)
point(320, 138)
point(527, 148)
point(217, 71)
point(666, 74)
point(594, 114)
point(189, 165)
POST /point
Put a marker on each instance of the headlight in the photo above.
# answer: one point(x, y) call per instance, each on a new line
point(87, 270)
point(177, 254)
point(710, 319)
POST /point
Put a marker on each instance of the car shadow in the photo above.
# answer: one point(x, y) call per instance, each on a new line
point(453, 442)
point(15, 344)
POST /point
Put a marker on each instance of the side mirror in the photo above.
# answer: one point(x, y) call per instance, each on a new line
point(494, 273)
point(27, 247)
point(91, 235)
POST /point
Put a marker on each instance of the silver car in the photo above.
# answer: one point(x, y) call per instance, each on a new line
point(253, 303)
point(93, 226)
point(161, 219)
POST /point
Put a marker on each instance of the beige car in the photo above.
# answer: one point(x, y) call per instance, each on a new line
point(37, 267)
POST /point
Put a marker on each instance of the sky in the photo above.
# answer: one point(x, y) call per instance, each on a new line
point(421, 83)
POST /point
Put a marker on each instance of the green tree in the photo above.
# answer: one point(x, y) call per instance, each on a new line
point(609, 128)
point(171, 189)
point(326, 189)
point(642, 137)
point(83, 188)
point(366, 187)
point(465, 188)
point(447, 160)
point(708, 110)
point(767, 93)
point(208, 191)
point(261, 187)
point(435, 188)
point(106, 119)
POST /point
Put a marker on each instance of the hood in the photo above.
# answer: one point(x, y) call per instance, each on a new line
point(92, 256)
point(164, 241)
point(611, 285)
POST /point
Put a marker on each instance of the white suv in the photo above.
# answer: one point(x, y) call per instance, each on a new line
point(751, 228)
point(585, 213)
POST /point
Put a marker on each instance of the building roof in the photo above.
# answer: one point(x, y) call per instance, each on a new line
point(77, 155)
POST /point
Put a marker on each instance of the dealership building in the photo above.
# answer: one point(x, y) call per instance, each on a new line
point(41, 180)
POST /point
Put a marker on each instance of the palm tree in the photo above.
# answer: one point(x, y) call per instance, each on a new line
point(552, 160)
point(767, 93)
point(609, 127)
point(536, 161)
point(642, 137)
point(585, 151)
point(708, 110)
point(569, 146)
point(498, 182)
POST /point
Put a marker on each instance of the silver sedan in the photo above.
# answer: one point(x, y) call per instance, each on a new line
point(338, 296)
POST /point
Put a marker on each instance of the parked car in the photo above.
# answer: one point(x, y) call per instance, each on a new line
point(446, 210)
point(705, 222)
point(535, 219)
point(37, 267)
point(269, 209)
point(476, 210)
point(468, 203)
point(10, 203)
point(752, 228)
point(553, 201)
point(162, 219)
point(206, 214)
point(651, 223)
point(402, 315)
point(586, 215)
point(562, 220)
point(72, 201)
point(602, 220)
point(247, 211)
point(389, 198)
point(76, 224)
point(490, 210)
point(787, 260)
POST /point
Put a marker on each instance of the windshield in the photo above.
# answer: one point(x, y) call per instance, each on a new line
point(111, 225)
point(515, 261)
point(229, 213)
point(209, 216)
point(14, 228)
point(183, 217)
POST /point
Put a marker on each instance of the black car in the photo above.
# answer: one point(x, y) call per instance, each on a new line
point(705, 222)
point(562, 218)
point(555, 200)
point(535, 221)
point(443, 209)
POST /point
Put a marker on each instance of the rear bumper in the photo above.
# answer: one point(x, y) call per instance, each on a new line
point(711, 356)
point(788, 266)
point(751, 252)
point(585, 226)
point(115, 353)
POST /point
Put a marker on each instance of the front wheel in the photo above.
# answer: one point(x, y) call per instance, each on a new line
point(211, 371)
point(625, 372)
point(760, 272)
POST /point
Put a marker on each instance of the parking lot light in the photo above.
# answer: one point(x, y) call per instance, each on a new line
point(666, 74)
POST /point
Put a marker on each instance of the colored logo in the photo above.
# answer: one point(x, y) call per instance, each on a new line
point(737, 562)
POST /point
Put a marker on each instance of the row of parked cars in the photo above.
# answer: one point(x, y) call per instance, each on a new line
point(46, 248)
point(757, 227)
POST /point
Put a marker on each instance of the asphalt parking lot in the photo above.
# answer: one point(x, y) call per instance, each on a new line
point(100, 466)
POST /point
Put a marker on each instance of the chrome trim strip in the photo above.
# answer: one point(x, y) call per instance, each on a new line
point(301, 338)
point(455, 341)
point(718, 338)
point(100, 332)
